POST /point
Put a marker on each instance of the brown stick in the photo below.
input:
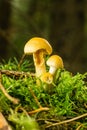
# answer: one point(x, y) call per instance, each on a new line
point(78, 128)
point(14, 100)
point(21, 60)
point(16, 73)
point(38, 103)
point(67, 121)
point(38, 110)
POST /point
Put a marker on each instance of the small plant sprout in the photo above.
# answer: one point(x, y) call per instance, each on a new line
point(54, 62)
point(39, 47)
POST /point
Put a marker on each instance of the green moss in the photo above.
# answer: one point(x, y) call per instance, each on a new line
point(67, 99)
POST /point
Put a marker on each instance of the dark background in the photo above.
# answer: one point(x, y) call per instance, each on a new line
point(62, 22)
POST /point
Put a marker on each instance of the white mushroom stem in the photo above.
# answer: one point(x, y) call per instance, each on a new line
point(39, 62)
point(52, 70)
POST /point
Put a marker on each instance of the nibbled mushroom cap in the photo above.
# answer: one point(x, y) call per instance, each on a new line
point(36, 44)
point(55, 61)
point(47, 78)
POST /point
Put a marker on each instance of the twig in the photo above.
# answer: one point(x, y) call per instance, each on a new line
point(14, 100)
point(85, 105)
point(16, 73)
point(67, 121)
point(38, 103)
point(21, 108)
point(79, 126)
point(21, 60)
point(38, 110)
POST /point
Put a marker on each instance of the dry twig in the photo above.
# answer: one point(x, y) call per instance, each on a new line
point(21, 60)
point(14, 100)
point(38, 110)
point(38, 103)
point(16, 73)
point(78, 128)
point(67, 121)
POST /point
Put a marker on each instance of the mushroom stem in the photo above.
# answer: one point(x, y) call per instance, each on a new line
point(39, 62)
point(52, 70)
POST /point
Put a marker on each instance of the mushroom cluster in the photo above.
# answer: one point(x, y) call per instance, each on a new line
point(54, 62)
point(39, 47)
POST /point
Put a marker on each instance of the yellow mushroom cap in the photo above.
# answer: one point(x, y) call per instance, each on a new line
point(47, 78)
point(55, 61)
point(36, 44)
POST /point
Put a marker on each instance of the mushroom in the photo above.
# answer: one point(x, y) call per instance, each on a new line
point(39, 47)
point(47, 79)
point(54, 62)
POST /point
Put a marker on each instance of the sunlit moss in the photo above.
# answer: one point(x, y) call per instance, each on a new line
point(68, 96)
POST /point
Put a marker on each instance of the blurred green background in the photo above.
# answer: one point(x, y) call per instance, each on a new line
point(62, 22)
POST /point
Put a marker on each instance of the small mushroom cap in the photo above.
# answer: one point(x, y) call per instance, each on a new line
point(55, 61)
point(47, 78)
point(36, 44)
